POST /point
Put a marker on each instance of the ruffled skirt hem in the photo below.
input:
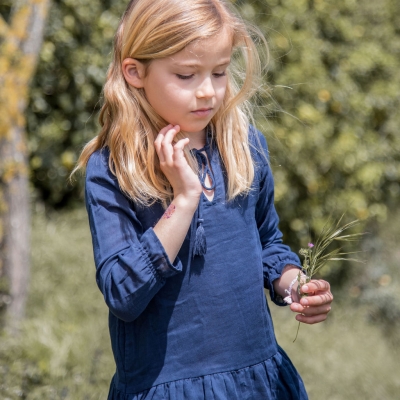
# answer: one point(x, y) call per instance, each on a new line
point(275, 379)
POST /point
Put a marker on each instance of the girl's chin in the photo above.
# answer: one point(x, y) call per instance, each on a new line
point(193, 128)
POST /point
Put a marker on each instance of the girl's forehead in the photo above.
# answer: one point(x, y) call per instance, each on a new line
point(219, 46)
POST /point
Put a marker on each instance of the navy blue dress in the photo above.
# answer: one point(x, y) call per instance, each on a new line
point(197, 328)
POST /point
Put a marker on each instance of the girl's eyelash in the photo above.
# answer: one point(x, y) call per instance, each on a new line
point(190, 76)
point(184, 76)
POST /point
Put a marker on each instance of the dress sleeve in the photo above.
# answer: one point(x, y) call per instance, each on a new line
point(275, 254)
point(131, 263)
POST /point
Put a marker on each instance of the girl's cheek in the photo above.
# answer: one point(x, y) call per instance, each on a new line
point(222, 91)
point(178, 92)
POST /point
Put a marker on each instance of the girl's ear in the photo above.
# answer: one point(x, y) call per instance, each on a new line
point(134, 72)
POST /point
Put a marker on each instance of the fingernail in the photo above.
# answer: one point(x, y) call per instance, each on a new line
point(304, 302)
point(304, 288)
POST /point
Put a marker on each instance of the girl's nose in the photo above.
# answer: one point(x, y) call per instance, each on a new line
point(206, 89)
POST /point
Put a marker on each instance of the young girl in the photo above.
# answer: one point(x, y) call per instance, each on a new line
point(179, 194)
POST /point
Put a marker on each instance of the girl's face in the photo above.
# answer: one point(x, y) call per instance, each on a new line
point(188, 88)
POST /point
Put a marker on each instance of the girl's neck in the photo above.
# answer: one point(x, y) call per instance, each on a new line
point(197, 140)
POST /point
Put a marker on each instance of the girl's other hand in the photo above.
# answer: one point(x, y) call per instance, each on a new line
point(185, 183)
point(314, 307)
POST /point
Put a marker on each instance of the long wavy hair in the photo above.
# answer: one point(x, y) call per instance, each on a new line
point(153, 29)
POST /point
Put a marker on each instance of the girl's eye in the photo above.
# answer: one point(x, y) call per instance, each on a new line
point(184, 76)
point(220, 75)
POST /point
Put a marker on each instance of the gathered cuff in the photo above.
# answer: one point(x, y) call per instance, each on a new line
point(273, 273)
point(159, 262)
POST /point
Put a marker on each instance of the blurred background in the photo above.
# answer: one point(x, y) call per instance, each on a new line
point(331, 118)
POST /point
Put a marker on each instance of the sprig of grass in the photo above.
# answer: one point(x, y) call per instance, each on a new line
point(315, 257)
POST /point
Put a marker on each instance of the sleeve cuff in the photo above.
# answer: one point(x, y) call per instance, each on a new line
point(158, 258)
point(275, 273)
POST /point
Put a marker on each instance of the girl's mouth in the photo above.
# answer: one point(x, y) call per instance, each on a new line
point(202, 112)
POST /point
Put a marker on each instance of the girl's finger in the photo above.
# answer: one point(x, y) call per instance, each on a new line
point(317, 300)
point(312, 319)
point(166, 144)
point(178, 148)
point(315, 286)
point(158, 141)
point(157, 146)
point(164, 130)
point(310, 311)
point(161, 134)
point(170, 134)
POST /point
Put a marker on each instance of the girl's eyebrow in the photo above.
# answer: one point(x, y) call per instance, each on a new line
point(193, 64)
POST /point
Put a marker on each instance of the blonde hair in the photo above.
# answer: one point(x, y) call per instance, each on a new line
point(156, 29)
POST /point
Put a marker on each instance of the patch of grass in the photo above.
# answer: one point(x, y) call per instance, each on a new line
point(345, 357)
point(354, 354)
point(64, 350)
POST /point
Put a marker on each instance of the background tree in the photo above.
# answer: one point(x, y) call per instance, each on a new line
point(21, 31)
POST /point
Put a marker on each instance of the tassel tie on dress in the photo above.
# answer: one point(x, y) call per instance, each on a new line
point(200, 243)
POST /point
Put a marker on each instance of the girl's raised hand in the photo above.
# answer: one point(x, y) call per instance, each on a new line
point(316, 305)
point(173, 164)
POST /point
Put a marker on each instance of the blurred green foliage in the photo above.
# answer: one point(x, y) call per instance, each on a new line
point(63, 350)
point(65, 94)
point(331, 121)
point(333, 127)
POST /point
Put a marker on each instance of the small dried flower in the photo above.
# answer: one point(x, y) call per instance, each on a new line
point(315, 257)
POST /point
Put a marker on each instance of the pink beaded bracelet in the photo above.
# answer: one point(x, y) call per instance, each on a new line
point(288, 299)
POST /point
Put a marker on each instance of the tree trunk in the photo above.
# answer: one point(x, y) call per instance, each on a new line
point(21, 40)
point(16, 247)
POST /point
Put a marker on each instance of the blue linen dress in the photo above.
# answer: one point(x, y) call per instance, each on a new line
point(198, 328)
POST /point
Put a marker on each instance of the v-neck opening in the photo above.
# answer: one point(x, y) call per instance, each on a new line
point(205, 157)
